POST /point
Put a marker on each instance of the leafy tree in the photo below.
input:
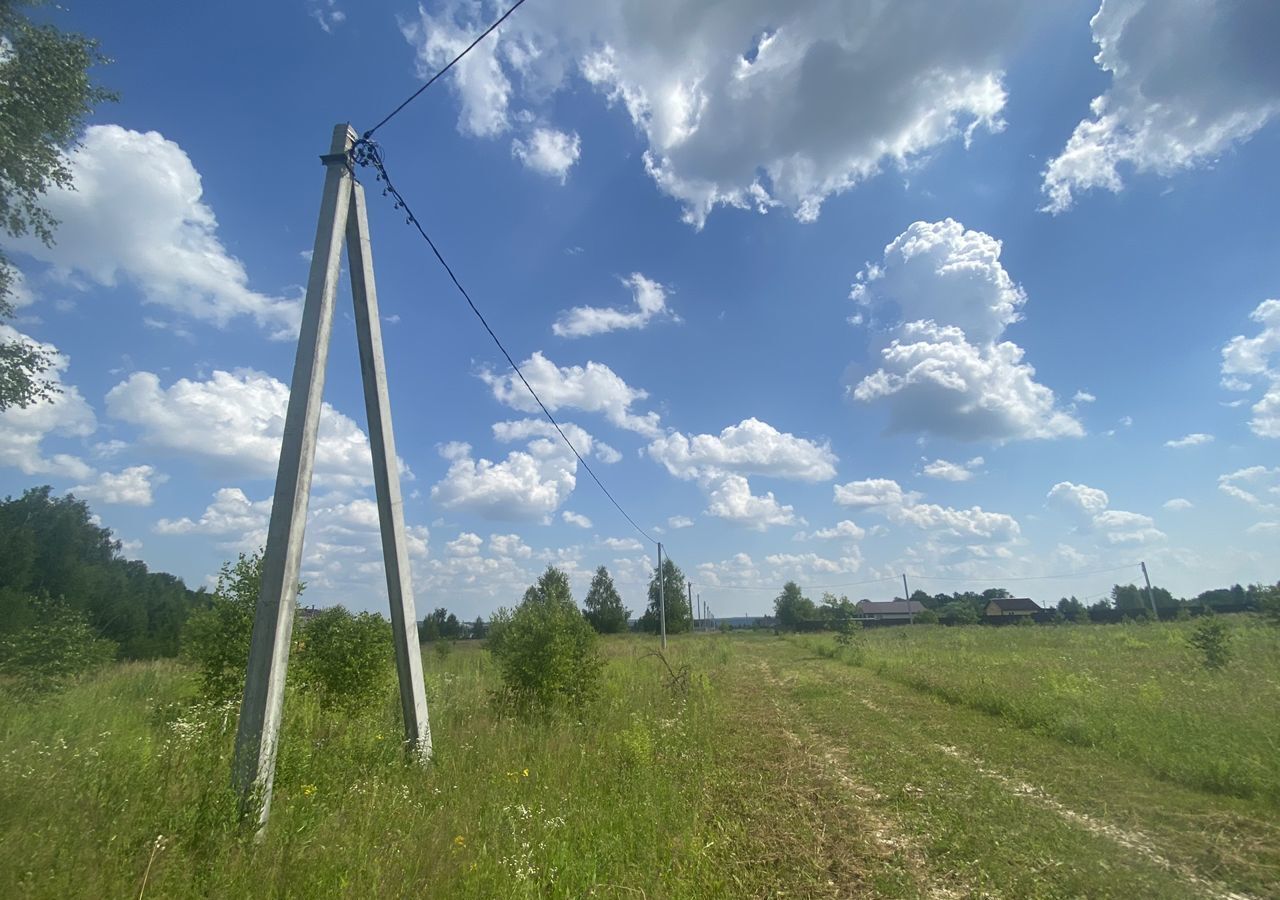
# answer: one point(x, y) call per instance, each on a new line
point(836, 609)
point(923, 599)
point(478, 628)
point(217, 638)
point(958, 612)
point(791, 607)
point(345, 658)
point(440, 624)
point(56, 646)
point(1268, 601)
point(604, 609)
point(1073, 610)
point(679, 616)
point(545, 649)
point(45, 96)
point(927, 617)
point(51, 546)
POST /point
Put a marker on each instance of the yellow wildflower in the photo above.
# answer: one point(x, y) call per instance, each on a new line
point(308, 790)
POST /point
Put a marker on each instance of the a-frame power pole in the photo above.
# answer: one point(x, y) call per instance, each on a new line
point(343, 217)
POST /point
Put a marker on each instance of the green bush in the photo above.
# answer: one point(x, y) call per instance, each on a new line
point(1212, 638)
point(926, 617)
point(346, 659)
point(545, 649)
point(54, 648)
point(216, 638)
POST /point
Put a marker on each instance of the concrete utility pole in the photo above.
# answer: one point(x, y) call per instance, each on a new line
point(701, 613)
point(1150, 596)
point(911, 617)
point(662, 601)
point(342, 216)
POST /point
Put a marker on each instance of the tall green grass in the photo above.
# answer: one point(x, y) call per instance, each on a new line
point(1134, 691)
point(125, 778)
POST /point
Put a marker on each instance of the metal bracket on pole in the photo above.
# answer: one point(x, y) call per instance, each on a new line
point(342, 217)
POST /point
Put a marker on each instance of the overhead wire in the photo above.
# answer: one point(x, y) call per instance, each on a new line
point(434, 78)
point(366, 152)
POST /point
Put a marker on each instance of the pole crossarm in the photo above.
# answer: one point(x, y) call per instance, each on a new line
point(343, 220)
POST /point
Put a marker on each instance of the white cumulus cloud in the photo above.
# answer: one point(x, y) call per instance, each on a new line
point(1190, 440)
point(1189, 79)
point(573, 518)
point(129, 487)
point(650, 299)
point(590, 388)
point(1178, 504)
point(936, 307)
point(136, 215)
point(1246, 359)
point(548, 152)
point(948, 471)
point(1089, 508)
point(749, 105)
point(234, 422)
point(751, 447)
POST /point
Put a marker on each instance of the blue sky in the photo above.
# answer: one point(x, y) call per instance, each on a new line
point(831, 293)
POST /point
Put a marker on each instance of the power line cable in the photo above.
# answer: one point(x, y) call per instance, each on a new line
point(434, 78)
point(367, 153)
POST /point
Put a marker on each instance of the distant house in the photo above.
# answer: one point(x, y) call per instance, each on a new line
point(890, 610)
point(306, 613)
point(1011, 608)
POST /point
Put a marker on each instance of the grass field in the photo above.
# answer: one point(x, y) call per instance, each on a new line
point(1083, 761)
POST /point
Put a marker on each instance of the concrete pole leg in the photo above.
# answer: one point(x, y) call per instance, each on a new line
point(260, 710)
point(386, 479)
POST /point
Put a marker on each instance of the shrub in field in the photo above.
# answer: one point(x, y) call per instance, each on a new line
point(926, 617)
point(1269, 603)
point(1213, 639)
point(545, 649)
point(57, 646)
point(216, 638)
point(346, 659)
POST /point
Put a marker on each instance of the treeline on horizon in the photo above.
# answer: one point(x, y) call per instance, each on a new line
point(55, 552)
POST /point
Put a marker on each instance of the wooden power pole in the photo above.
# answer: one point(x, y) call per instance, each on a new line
point(343, 219)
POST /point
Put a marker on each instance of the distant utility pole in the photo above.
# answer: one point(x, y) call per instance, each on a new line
point(701, 613)
point(911, 616)
point(662, 601)
point(1150, 596)
point(689, 585)
point(342, 220)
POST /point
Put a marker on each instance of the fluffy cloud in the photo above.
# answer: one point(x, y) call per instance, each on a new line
point(720, 463)
point(650, 299)
point(465, 544)
point(873, 493)
point(844, 530)
point(1178, 504)
point(729, 497)
point(971, 528)
point(1257, 485)
point(735, 102)
point(234, 422)
point(136, 216)
point(1190, 440)
point(573, 518)
point(64, 414)
point(1189, 78)
point(526, 486)
point(676, 522)
point(1245, 359)
point(1090, 509)
point(342, 554)
point(751, 447)
point(591, 388)
point(548, 152)
point(948, 471)
point(509, 545)
point(623, 545)
point(130, 487)
point(935, 308)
